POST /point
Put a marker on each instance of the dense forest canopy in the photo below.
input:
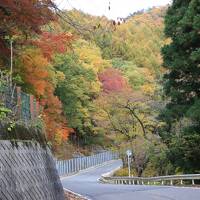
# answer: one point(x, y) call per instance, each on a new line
point(71, 67)
point(105, 84)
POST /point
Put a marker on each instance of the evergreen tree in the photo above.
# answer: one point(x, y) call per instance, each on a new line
point(182, 56)
point(182, 81)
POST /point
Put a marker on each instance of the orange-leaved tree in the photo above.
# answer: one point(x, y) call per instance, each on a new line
point(23, 18)
point(51, 43)
point(41, 78)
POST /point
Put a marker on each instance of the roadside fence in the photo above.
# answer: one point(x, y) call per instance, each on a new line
point(24, 106)
point(74, 165)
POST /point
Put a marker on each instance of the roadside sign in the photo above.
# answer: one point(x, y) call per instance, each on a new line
point(129, 152)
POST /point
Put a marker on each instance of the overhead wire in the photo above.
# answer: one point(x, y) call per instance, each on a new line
point(66, 18)
point(80, 28)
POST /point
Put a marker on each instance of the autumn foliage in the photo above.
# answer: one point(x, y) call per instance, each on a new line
point(113, 80)
point(69, 73)
point(50, 43)
point(23, 17)
point(41, 79)
point(56, 125)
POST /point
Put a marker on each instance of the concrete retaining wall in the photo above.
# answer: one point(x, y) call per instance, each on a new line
point(28, 172)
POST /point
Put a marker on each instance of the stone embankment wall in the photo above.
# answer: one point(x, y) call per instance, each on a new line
point(69, 195)
point(28, 172)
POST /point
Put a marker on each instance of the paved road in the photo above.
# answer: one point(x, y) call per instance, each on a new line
point(87, 185)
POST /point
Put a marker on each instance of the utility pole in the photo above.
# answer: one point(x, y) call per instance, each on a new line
point(129, 167)
point(11, 39)
point(11, 61)
point(129, 154)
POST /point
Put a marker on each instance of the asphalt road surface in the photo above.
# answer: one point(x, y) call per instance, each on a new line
point(86, 183)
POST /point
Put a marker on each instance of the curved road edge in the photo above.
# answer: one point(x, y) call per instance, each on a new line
point(69, 194)
point(86, 183)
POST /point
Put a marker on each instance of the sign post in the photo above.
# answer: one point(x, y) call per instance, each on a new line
point(129, 154)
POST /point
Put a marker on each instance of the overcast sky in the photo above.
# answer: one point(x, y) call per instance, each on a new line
point(119, 8)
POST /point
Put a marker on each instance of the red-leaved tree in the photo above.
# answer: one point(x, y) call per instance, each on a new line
point(23, 17)
point(113, 80)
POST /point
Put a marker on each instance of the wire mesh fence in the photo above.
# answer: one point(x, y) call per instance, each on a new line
point(25, 110)
point(24, 106)
point(74, 165)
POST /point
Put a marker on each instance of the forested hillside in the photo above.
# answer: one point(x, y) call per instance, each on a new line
point(95, 79)
point(127, 65)
point(98, 83)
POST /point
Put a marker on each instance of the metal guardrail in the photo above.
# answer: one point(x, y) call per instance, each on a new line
point(66, 167)
point(163, 180)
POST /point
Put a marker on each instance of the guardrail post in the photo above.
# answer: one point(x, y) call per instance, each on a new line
point(193, 182)
point(171, 182)
point(181, 182)
point(162, 182)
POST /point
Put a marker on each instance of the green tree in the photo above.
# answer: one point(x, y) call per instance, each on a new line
point(181, 58)
point(139, 78)
point(76, 94)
